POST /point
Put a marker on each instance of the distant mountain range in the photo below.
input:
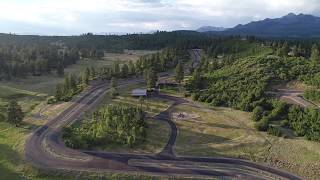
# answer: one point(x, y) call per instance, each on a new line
point(291, 26)
point(210, 28)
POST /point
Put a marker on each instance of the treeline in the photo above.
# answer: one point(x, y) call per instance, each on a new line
point(117, 43)
point(234, 46)
point(119, 124)
point(147, 66)
point(312, 95)
point(20, 61)
point(304, 122)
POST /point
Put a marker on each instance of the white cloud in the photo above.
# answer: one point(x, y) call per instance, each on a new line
point(78, 16)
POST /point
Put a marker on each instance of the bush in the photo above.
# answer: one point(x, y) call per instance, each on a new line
point(263, 124)
point(187, 94)
point(257, 113)
point(285, 123)
point(113, 93)
point(2, 117)
point(313, 95)
point(195, 96)
point(279, 110)
point(52, 100)
point(275, 131)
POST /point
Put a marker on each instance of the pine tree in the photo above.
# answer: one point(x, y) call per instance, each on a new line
point(295, 51)
point(285, 49)
point(151, 78)
point(315, 56)
point(15, 114)
point(196, 79)
point(60, 69)
point(179, 72)
point(114, 82)
point(132, 69)
point(116, 69)
point(59, 92)
point(113, 87)
point(87, 74)
point(124, 71)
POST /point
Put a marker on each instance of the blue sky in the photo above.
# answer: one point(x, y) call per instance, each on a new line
point(72, 17)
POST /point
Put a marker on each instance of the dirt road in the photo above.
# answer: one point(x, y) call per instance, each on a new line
point(46, 150)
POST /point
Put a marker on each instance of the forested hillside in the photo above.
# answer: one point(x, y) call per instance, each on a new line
point(243, 82)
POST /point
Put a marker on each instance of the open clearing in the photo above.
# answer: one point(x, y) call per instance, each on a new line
point(46, 84)
point(230, 133)
point(218, 132)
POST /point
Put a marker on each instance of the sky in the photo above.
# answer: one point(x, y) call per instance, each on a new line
point(73, 17)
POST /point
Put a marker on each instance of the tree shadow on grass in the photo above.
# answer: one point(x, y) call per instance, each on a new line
point(200, 144)
point(9, 157)
point(192, 142)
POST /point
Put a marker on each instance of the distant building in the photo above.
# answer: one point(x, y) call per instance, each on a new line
point(139, 93)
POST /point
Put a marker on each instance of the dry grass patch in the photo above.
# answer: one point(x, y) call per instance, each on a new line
point(220, 131)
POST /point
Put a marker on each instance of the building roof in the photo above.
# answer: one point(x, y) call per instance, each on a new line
point(139, 92)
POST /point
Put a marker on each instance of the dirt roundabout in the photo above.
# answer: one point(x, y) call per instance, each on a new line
point(184, 116)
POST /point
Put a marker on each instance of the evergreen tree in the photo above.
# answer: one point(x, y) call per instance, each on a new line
point(315, 56)
point(179, 72)
point(116, 69)
point(124, 71)
point(59, 92)
point(85, 78)
point(132, 69)
point(196, 79)
point(114, 82)
point(285, 49)
point(14, 113)
point(151, 78)
point(60, 69)
point(295, 51)
point(113, 87)
point(87, 73)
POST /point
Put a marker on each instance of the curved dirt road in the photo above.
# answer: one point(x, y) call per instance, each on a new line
point(292, 96)
point(45, 150)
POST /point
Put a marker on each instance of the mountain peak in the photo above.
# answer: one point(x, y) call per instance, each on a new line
point(291, 25)
point(210, 28)
point(290, 15)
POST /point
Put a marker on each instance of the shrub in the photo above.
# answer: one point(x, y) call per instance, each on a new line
point(187, 94)
point(285, 123)
point(52, 100)
point(263, 124)
point(113, 93)
point(257, 113)
point(275, 131)
point(195, 96)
